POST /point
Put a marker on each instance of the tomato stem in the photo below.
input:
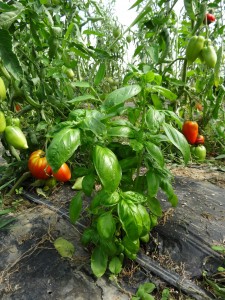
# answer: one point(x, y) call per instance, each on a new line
point(18, 183)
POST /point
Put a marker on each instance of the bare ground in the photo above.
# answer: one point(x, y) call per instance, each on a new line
point(212, 174)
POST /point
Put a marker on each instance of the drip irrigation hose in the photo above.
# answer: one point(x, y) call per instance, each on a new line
point(172, 278)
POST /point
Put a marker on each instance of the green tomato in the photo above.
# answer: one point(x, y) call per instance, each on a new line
point(199, 152)
point(50, 182)
point(15, 137)
point(194, 47)
point(70, 74)
point(209, 56)
point(116, 32)
point(16, 122)
point(2, 89)
point(2, 122)
point(128, 38)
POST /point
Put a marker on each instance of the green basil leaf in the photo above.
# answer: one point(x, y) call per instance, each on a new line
point(178, 140)
point(155, 206)
point(121, 131)
point(106, 226)
point(99, 260)
point(130, 219)
point(134, 197)
point(75, 207)
point(146, 222)
point(168, 189)
point(107, 168)
point(115, 265)
point(131, 245)
point(155, 153)
point(64, 247)
point(164, 92)
point(88, 183)
point(153, 181)
point(62, 147)
point(154, 119)
point(95, 125)
point(118, 97)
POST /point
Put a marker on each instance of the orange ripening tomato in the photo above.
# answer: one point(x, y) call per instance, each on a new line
point(38, 165)
point(200, 139)
point(199, 106)
point(190, 131)
point(63, 174)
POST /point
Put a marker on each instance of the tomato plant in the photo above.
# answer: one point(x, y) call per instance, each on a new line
point(63, 174)
point(38, 165)
point(190, 131)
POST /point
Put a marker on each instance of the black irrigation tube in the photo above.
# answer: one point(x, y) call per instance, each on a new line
point(172, 278)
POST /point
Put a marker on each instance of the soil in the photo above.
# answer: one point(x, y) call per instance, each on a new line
point(204, 172)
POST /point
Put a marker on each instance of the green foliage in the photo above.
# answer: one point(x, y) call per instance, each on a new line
point(113, 122)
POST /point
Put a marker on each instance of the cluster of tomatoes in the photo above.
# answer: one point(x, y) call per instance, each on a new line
point(191, 133)
point(40, 169)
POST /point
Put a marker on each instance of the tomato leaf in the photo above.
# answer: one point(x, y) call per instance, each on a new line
point(99, 260)
point(178, 140)
point(100, 74)
point(188, 4)
point(7, 55)
point(75, 207)
point(217, 66)
point(62, 147)
point(81, 98)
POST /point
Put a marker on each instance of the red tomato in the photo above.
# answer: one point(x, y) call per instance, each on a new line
point(63, 174)
point(190, 131)
point(209, 18)
point(38, 165)
point(200, 140)
point(18, 107)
